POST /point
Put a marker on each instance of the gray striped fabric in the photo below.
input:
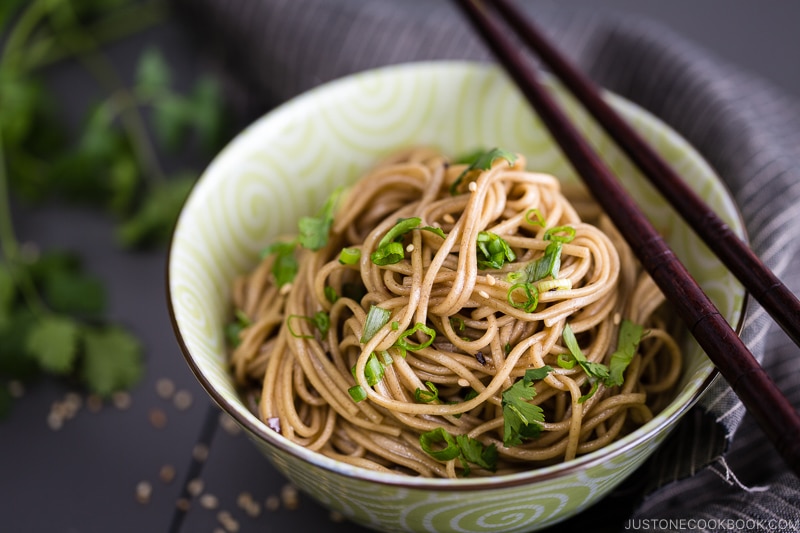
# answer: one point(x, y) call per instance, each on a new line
point(718, 468)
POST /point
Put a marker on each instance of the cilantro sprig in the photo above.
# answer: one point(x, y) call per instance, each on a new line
point(521, 419)
point(52, 313)
point(442, 446)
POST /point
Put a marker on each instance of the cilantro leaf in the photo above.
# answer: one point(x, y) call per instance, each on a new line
point(314, 230)
point(152, 73)
point(53, 343)
point(71, 291)
point(285, 267)
point(483, 162)
point(443, 446)
point(630, 334)
point(475, 452)
point(156, 217)
point(112, 360)
point(595, 371)
point(520, 418)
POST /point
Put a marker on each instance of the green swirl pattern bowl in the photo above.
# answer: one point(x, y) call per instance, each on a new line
point(285, 165)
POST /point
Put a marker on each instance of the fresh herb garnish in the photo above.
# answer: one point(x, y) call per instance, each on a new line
point(402, 344)
point(427, 395)
point(314, 230)
point(377, 317)
point(546, 266)
point(483, 162)
point(443, 446)
point(373, 373)
point(630, 334)
point(521, 420)
point(285, 265)
point(52, 313)
point(493, 251)
point(596, 372)
point(321, 322)
point(234, 329)
point(349, 256)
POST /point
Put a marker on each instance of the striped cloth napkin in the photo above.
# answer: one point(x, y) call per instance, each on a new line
point(717, 472)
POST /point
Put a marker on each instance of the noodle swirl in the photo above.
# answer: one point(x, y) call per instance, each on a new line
point(458, 334)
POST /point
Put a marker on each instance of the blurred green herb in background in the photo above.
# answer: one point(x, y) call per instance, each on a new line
point(52, 311)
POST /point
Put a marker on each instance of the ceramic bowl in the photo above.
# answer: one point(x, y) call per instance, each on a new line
point(285, 165)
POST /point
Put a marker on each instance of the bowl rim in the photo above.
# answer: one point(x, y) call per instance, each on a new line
point(537, 474)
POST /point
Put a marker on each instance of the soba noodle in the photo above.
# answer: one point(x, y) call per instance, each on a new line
point(417, 365)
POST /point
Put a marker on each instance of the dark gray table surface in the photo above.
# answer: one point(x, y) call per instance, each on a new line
point(82, 477)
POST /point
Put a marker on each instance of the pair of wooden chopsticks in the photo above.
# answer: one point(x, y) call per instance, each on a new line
point(759, 394)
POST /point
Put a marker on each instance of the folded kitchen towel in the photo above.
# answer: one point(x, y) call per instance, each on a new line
point(717, 472)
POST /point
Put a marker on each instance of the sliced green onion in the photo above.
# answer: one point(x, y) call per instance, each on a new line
point(386, 356)
point(554, 284)
point(565, 361)
point(377, 317)
point(330, 294)
point(357, 393)
point(389, 254)
point(427, 396)
point(534, 217)
point(493, 251)
point(373, 370)
point(560, 234)
point(404, 345)
point(531, 297)
point(431, 443)
point(349, 256)
point(591, 392)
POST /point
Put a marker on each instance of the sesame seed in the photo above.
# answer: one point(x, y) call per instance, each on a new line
point(483, 294)
point(448, 218)
point(228, 521)
point(182, 400)
point(165, 388)
point(167, 473)
point(94, 403)
point(289, 497)
point(229, 424)
point(490, 280)
point(410, 248)
point(54, 421)
point(463, 382)
point(272, 503)
point(143, 491)
point(183, 504)
point(157, 417)
point(200, 452)
point(209, 501)
point(195, 486)
point(472, 186)
point(121, 400)
point(285, 289)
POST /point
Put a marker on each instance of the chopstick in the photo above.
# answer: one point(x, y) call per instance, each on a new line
point(742, 262)
point(758, 393)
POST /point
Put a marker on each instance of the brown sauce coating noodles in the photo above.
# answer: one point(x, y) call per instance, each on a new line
point(485, 339)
